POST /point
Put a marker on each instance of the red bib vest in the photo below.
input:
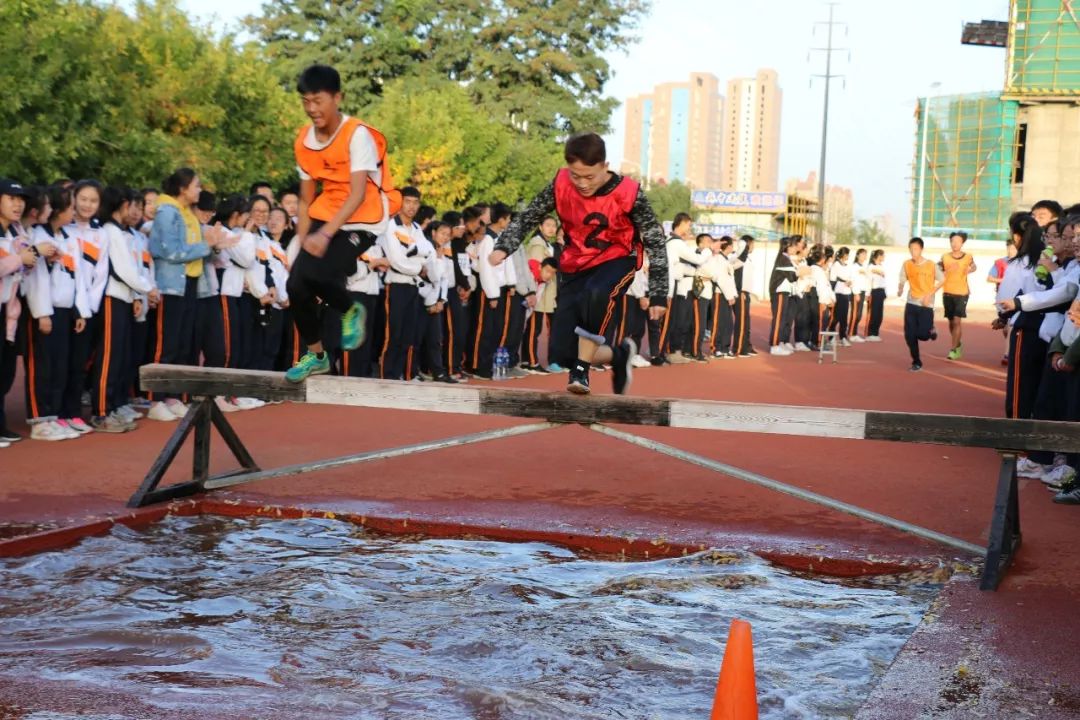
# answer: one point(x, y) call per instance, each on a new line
point(597, 228)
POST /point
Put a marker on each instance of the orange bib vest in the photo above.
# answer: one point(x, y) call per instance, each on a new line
point(331, 167)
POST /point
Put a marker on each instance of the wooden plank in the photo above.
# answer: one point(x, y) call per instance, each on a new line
point(393, 395)
point(994, 433)
point(772, 419)
point(997, 433)
point(211, 382)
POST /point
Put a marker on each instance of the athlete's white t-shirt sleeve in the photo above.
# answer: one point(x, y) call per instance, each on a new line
point(303, 175)
point(363, 156)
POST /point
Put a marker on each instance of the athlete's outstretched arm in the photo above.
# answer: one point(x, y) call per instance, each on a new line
point(526, 221)
point(652, 237)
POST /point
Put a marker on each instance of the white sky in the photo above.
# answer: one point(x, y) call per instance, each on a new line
point(896, 51)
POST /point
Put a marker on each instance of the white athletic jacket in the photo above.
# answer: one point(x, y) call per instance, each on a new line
point(94, 258)
point(126, 280)
point(365, 280)
point(57, 283)
point(236, 262)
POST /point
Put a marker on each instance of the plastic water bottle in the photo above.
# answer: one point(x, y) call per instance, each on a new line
point(502, 364)
point(1042, 273)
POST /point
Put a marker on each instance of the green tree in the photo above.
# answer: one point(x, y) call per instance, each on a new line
point(537, 65)
point(868, 232)
point(455, 155)
point(670, 199)
point(128, 98)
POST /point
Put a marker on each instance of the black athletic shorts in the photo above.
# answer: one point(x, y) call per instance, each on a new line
point(955, 306)
point(590, 305)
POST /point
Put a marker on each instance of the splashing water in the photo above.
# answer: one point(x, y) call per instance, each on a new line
point(276, 618)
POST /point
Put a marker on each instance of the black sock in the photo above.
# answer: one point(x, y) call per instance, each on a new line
point(321, 356)
point(581, 367)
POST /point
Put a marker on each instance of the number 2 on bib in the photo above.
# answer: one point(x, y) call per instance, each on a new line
point(599, 224)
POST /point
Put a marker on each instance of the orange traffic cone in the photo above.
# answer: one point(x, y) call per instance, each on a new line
point(736, 692)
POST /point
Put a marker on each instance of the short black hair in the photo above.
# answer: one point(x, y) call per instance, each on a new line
point(425, 213)
point(550, 262)
point(147, 191)
point(258, 185)
point(726, 242)
point(702, 237)
point(112, 199)
point(291, 190)
point(499, 211)
point(680, 219)
point(916, 241)
point(60, 198)
point(410, 191)
point(747, 238)
point(180, 179)
point(586, 148)
point(471, 213)
point(207, 201)
point(319, 78)
point(960, 234)
point(843, 253)
point(451, 218)
point(1051, 205)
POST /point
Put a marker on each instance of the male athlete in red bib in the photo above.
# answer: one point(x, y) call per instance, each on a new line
point(608, 223)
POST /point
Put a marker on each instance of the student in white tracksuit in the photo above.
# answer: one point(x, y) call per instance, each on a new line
point(841, 276)
point(724, 297)
point(439, 270)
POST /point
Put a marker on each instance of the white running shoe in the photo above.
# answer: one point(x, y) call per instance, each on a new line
point(245, 403)
point(802, 347)
point(127, 414)
point(780, 350)
point(1059, 476)
point(873, 338)
point(224, 405)
point(64, 427)
point(1030, 469)
point(845, 343)
point(857, 339)
point(176, 407)
point(640, 362)
point(161, 413)
point(47, 431)
point(789, 346)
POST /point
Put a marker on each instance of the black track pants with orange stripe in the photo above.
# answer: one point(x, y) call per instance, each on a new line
point(111, 357)
point(722, 326)
point(516, 329)
point(45, 363)
point(740, 343)
point(780, 332)
point(1027, 356)
point(530, 344)
point(660, 333)
point(175, 330)
point(402, 311)
point(456, 331)
point(8, 357)
point(492, 324)
point(357, 363)
point(590, 302)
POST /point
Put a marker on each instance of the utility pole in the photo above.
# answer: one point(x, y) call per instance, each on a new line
point(828, 76)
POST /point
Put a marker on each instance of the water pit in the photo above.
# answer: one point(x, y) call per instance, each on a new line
point(206, 617)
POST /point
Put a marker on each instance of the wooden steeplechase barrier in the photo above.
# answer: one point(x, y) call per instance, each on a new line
point(1008, 437)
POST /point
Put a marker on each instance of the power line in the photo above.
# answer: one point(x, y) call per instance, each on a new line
point(827, 77)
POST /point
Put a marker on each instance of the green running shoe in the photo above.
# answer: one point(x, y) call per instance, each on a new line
point(353, 327)
point(309, 364)
point(956, 353)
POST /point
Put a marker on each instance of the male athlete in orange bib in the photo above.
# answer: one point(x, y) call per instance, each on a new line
point(608, 223)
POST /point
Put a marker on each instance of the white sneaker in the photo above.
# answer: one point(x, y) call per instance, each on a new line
point(857, 339)
point(4, 444)
point(46, 431)
point(161, 413)
point(789, 346)
point(640, 362)
point(1059, 476)
point(224, 405)
point(176, 407)
point(779, 350)
point(802, 347)
point(69, 432)
point(245, 403)
point(1060, 459)
point(873, 338)
point(127, 414)
point(1030, 469)
point(845, 343)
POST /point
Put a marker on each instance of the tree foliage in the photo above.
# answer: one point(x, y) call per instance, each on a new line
point(868, 232)
point(537, 65)
point(95, 92)
point(454, 154)
point(670, 199)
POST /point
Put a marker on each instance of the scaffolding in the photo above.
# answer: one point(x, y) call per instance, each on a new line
point(970, 150)
point(1044, 50)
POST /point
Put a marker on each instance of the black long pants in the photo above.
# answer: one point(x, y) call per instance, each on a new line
point(233, 331)
point(918, 324)
point(312, 279)
point(741, 343)
point(840, 318)
point(877, 312)
point(723, 325)
point(658, 333)
point(682, 323)
point(781, 319)
point(1027, 355)
point(211, 338)
point(634, 321)
point(357, 363)
point(402, 306)
point(802, 319)
point(45, 363)
point(813, 315)
point(590, 306)
point(140, 334)
point(79, 350)
point(456, 331)
point(1051, 403)
point(515, 332)
point(534, 328)
point(492, 324)
point(698, 325)
point(291, 344)
point(432, 355)
point(110, 360)
point(858, 301)
point(8, 357)
point(266, 338)
point(176, 329)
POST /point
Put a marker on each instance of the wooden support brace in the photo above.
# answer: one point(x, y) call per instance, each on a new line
point(1005, 534)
